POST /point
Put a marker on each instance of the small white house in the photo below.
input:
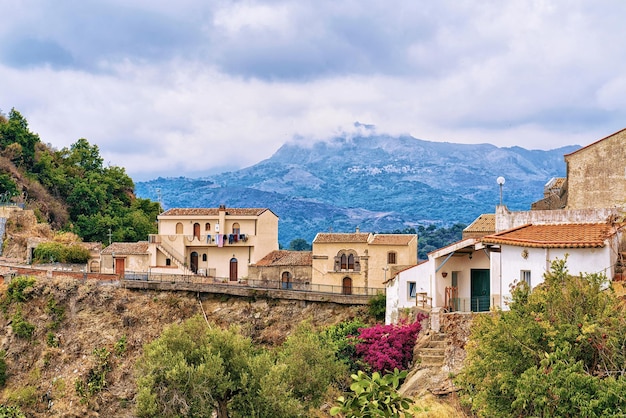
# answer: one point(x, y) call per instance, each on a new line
point(454, 278)
point(526, 252)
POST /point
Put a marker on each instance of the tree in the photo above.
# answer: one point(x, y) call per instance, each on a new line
point(192, 370)
point(299, 244)
point(558, 351)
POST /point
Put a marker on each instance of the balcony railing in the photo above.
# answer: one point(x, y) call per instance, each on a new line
point(252, 283)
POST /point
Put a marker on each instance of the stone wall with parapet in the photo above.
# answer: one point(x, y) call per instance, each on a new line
point(505, 219)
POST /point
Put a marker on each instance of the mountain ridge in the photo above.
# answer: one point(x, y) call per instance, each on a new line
point(376, 182)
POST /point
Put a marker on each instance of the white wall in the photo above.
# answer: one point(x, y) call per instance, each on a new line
point(538, 260)
point(398, 290)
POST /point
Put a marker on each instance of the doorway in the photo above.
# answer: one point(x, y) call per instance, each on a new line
point(120, 267)
point(233, 270)
point(346, 286)
point(480, 292)
point(193, 262)
point(286, 281)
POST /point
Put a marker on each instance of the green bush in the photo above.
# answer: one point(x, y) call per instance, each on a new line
point(3, 369)
point(375, 396)
point(558, 351)
point(24, 397)
point(56, 313)
point(11, 412)
point(76, 254)
point(17, 287)
point(21, 327)
point(377, 306)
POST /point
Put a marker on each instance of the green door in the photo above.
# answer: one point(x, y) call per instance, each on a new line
point(480, 293)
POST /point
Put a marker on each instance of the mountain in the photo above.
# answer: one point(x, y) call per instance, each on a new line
point(378, 183)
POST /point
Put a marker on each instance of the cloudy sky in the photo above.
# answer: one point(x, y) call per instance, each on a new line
point(193, 86)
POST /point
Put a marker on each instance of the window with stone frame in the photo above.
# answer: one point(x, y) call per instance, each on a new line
point(391, 257)
point(347, 260)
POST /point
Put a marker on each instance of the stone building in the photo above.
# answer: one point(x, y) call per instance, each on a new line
point(289, 270)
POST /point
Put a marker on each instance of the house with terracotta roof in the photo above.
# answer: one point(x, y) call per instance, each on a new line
point(525, 253)
point(217, 242)
point(359, 262)
point(120, 257)
point(282, 269)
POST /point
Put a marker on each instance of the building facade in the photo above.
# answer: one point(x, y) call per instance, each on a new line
point(357, 262)
point(217, 242)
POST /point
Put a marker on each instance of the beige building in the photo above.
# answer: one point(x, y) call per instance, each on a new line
point(596, 175)
point(216, 242)
point(122, 257)
point(282, 269)
point(350, 263)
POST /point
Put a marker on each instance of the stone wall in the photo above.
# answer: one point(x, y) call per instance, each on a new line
point(597, 174)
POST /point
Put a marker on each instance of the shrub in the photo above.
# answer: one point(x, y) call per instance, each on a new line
point(21, 327)
point(342, 337)
point(375, 396)
point(56, 313)
point(11, 412)
point(49, 252)
point(558, 351)
point(3, 369)
point(377, 306)
point(17, 287)
point(76, 254)
point(388, 347)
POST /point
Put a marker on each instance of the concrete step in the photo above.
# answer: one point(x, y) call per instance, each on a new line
point(432, 360)
point(433, 351)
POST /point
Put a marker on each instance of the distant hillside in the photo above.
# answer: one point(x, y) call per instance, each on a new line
point(379, 183)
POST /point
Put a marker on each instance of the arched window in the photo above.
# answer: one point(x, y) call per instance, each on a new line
point(179, 228)
point(344, 262)
point(203, 257)
point(236, 229)
point(391, 257)
point(207, 226)
point(351, 262)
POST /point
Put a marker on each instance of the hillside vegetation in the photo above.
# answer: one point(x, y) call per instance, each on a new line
point(71, 347)
point(70, 188)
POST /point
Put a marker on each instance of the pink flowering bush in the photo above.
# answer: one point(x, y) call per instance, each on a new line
point(388, 347)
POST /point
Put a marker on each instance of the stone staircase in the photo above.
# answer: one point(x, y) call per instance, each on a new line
point(433, 354)
point(175, 257)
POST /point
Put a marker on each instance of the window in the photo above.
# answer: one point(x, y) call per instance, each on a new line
point(236, 229)
point(525, 276)
point(207, 226)
point(351, 262)
point(412, 288)
point(203, 257)
point(179, 228)
point(344, 262)
point(168, 262)
point(391, 257)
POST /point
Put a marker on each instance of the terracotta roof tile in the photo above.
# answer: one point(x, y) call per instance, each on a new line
point(554, 236)
point(132, 248)
point(341, 237)
point(213, 211)
point(484, 223)
point(286, 258)
point(392, 239)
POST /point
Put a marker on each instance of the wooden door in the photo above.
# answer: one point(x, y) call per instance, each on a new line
point(347, 286)
point(233, 269)
point(193, 262)
point(120, 267)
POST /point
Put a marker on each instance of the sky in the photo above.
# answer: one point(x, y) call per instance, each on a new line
point(195, 87)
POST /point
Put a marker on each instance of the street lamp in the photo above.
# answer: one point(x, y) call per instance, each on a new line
point(500, 180)
point(385, 269)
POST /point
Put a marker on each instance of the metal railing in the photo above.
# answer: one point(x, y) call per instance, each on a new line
point(253, 283)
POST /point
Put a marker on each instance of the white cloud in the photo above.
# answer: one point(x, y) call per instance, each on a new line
point(168, 90)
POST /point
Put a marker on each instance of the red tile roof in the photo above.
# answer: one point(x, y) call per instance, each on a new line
point(392, 239)
point(213, 211)
point(286, 258)
point(360, 237)
point(127, 248)
point(484, 223)
point(554, 236)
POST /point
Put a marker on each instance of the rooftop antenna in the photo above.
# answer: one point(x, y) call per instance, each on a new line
point(500, 180)
point(159, 197)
